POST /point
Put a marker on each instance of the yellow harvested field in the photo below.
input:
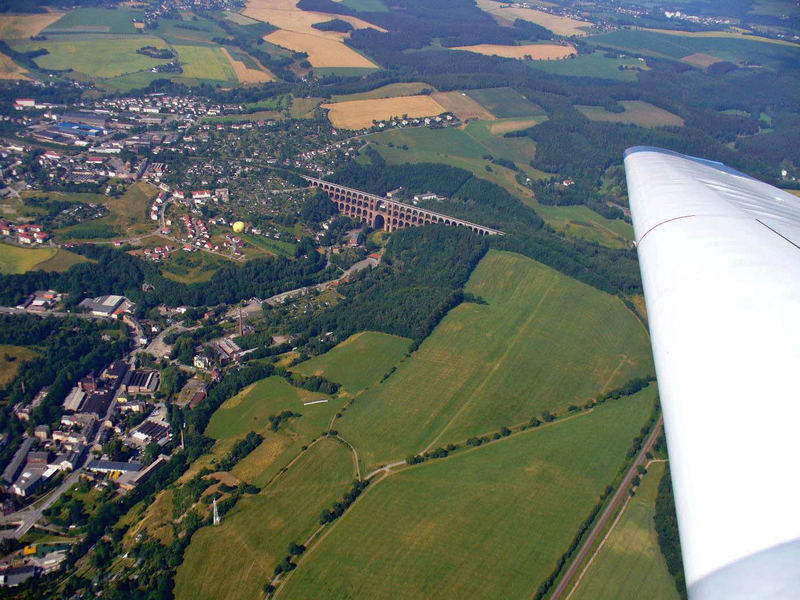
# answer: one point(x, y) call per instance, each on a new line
point(295, 32)
point(386, 91)
point(358, 114)
point(528, 51)
point(462, 106)
point(698, 59)
point(508, 125)
point(506, 14)
point(24, 26)
point(10, 70)
point(322, 52)
point(247, 75)
point(737, 35)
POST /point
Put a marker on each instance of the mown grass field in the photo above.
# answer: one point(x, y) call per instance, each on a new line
point(525, 51)
point(359, 361)
point(98, 57)
point(630, 564)
point(205, 62)
point(488, 523)
point(736, 49)
point(20, 26)
point(505, 102)
point(11, 357)
point(96, 20)
point(636, 112)
point(593, 65)
point(61, 262)
point(235, 559)
point(250, 411)
point(542, 341)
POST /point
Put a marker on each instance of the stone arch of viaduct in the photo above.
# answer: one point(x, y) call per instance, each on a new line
point(389, 215)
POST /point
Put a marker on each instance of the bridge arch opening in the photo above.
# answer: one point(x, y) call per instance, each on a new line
point(379, 222)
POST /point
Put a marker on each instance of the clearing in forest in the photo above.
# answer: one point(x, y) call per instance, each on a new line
point(506, 102)
point(490, 522)
point(358, 114)
point(525, 51)
point(539, 341)
point(636, 112)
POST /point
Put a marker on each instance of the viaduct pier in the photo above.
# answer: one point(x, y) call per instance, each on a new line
point(386, 214)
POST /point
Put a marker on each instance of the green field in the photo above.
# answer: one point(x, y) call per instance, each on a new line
point(487, 523)
point(630, 564)
point(235, 559)
point(592, 65)
point(201, 31)
point(756, 51)
point(14, 259)
point(542, 342)
point(11, 357)
point(191, 268)
point(205, 62)
point(96, 20)
point(505, 102)
point(467, 148)
point(365, 5)
point(581, 222)
point(277, 247)
point(636, 112)
point(250, 410)
point(97, 57)
point(359, 361)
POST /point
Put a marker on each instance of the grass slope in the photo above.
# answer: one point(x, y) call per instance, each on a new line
point(14, 259)
point(636, 112)
point(488, 523)
point(235, 559)
point(596, 64)
point(250, 411)
point(359, 361)
point(205, 62)
point(542, 342)
point(630, 564)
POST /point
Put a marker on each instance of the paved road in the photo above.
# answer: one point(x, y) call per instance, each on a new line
point(565, 584)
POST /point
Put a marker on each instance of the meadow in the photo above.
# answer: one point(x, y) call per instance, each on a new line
point(462, 106)
point(14, 259)
point(596, 64)
point(541, 341)
point(359, 361)
point(504, 102)
point(637, 112)
point(489, 522)
point(357, 114)
point(11, 357)
point(97, 57)
point(581, 222)
point(206, 62)
point(253, 537)
point(630, 564)
point(250, 411)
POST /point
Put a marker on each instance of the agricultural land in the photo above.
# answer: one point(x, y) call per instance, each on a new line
point(629, 564)
point(506, 14)
point(523, 51)
point(358, 114)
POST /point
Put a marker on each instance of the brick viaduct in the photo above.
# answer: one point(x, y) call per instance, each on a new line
point(382, 213)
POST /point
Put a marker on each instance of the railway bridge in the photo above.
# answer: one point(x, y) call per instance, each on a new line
point(390, 215)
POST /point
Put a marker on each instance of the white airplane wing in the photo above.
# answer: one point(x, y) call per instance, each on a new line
point(720, 259)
